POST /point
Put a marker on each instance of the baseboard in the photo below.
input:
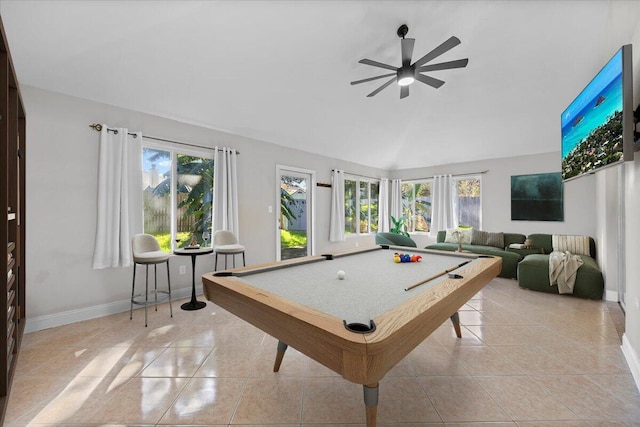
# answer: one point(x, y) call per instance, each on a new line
point(72, 316)
point(632, 360)
point(611, 296)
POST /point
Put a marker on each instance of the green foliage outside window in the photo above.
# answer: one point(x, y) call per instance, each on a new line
point(416, 205)
point(194, 192)
point(360, 206)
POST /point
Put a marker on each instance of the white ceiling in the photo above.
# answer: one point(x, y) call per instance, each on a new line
point(279, 71)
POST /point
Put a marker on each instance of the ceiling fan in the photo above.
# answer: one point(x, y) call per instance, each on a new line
point(408, 72)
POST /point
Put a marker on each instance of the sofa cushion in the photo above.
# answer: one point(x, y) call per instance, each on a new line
point(578, 245)
point(510, 238)
point(509, 259)
point(452, 236)
point(533, 273)
point(393, 239)
point(545, 241)
point(541, 241)
point(486, 238)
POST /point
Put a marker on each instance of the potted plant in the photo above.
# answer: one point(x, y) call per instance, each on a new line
point(398, 226)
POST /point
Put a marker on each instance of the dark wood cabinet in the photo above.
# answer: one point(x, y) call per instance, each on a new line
point(12, 226)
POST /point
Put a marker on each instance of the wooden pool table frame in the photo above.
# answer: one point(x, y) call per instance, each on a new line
point(360, 358)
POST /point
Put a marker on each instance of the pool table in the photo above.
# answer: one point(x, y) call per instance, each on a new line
point(359, 325)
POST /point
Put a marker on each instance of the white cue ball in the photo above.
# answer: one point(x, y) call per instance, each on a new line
point(341, 274)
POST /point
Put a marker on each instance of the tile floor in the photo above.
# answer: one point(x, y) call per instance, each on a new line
point(526, 359)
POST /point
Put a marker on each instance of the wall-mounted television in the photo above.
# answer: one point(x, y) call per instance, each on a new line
point(598, 126)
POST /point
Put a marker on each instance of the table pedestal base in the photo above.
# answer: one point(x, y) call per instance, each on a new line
point(194, 304)
point(191, 305)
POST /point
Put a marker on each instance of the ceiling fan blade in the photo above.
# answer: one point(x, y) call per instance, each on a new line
point(429, 81)
point(407, 50)
point(375, 92)
point(460, 63)
point(444, 47)
point(372, 78)
point(404, 91)
point(378, 64)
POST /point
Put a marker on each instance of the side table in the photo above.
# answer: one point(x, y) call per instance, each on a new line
point(194, 304)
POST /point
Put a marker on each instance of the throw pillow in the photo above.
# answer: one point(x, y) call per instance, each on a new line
point(452, 238)
point(496, 240)
point(466, 235)
point(578, 245)
point(486, 238)
point(479, 237)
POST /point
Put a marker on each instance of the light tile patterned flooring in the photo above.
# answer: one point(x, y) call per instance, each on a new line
point(526, 359)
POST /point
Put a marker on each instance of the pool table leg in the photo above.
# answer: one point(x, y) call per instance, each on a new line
point(282, 347)
point(371, 403)
point(455, 319)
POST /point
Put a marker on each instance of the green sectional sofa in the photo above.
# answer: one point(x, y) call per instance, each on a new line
point(393, 239)
point(531, 266)
point(510, 259)
point(533, 270)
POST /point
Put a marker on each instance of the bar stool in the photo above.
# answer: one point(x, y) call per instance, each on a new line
point(146, 251)
point(226, 243)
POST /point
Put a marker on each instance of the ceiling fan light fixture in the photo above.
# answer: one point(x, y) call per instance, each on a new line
point(409, 72)
point(405, 76)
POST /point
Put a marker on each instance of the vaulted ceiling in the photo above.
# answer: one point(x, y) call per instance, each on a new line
point(279, 71)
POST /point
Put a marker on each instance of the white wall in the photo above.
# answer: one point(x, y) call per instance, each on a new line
point(609, 210)
point(631, 338)
point(62, 158)
point(579, 198)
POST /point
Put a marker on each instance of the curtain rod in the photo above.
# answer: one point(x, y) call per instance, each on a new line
point(98, 127)
point(454, 175)
point(417, 179)
point(361, 176)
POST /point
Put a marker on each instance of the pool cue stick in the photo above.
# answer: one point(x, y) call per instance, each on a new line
point(428, 279)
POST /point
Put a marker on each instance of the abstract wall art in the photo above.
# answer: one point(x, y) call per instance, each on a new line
point(537, 197)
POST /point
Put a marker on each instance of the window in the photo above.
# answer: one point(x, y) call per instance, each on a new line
point(467, 201)
point(177, 209)
point(360, 206)
point(416, 205)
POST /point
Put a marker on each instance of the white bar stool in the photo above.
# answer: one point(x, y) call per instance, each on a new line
point(226, 243)
point(146, 251)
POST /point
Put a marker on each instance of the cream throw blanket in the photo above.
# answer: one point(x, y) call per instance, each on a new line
point(563, 267)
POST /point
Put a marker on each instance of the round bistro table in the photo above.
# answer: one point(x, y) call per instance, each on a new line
point(194, 304)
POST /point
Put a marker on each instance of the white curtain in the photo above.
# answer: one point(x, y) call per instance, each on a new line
point(336, 225)
point(383, 206)
point(395, 209)
point(120, 213)
point(442, 211)
point(225, 187)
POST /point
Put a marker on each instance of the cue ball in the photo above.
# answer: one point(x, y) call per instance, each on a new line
point(341, 274)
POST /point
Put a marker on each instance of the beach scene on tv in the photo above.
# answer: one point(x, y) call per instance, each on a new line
point(592, 124)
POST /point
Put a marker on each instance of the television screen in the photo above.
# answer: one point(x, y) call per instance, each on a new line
point(597, 125)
